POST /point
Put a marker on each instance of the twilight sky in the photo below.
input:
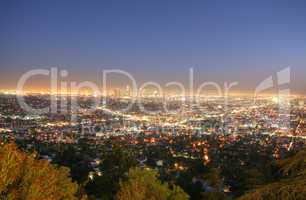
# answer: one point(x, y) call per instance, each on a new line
point(245, 41)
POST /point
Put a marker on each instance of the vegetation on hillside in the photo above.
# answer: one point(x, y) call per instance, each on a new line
point(24, 177)
point(289, 183)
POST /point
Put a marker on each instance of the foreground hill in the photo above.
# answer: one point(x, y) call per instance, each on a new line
point(24, 177)
point(289, 183)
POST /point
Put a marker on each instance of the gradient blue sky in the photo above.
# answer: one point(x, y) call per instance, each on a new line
point(156, 40)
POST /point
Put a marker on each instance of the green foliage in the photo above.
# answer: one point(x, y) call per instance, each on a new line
point(143, 184)
point(26, 178)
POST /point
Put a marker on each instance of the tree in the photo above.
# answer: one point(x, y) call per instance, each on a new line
point(114, 166)
point(76, 162)
point(200, 177)
point(24, 177)
point(142, 184)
